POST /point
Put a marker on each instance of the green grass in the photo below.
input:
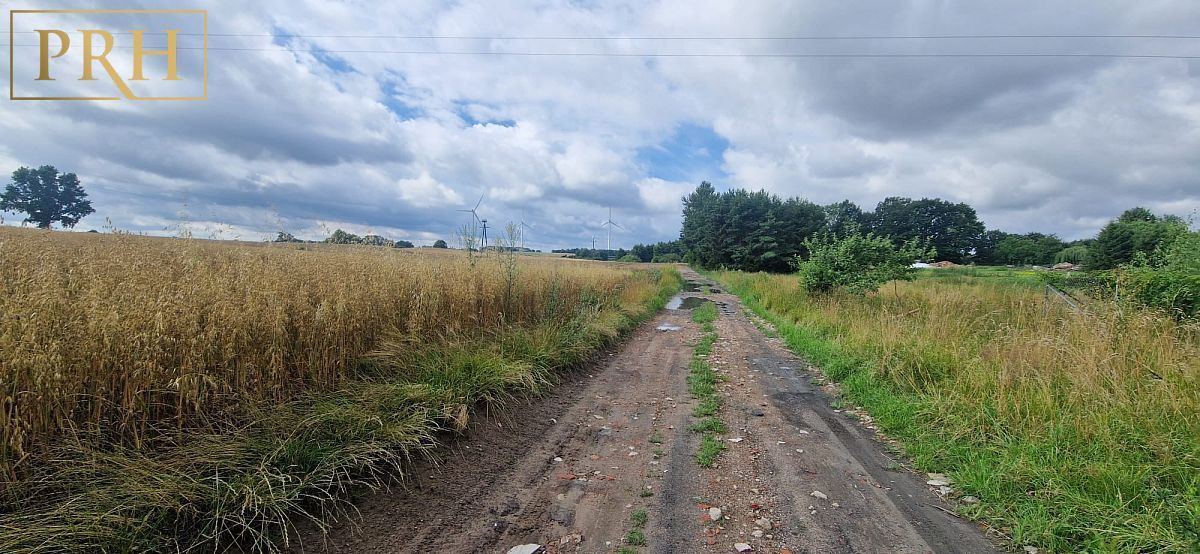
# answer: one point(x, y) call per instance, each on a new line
point(705, 313)
point(637, 535)
point(702, 385)
point(299, 460)
point(710, 447)
point(1077, 433)
point(709, 425)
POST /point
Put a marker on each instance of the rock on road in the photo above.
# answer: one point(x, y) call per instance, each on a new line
point(567, 470)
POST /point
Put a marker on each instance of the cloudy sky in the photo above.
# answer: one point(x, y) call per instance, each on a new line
point(321, 116)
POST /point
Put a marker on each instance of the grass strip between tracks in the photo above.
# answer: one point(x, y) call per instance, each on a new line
point(702, 384)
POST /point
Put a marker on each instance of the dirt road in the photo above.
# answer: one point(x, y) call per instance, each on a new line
point(568, 470)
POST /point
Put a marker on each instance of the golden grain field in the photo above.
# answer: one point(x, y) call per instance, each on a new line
point(121, 335)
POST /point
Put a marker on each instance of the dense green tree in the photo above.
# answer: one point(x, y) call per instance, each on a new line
point(439, 243)
point(746, 230)
point(951, 229)
point(1028, 249)
point(46, 197)
point(985, 248)
point(844, 218)
point(780, 238)
point(1136, 233)
point(700, 235)
point(341, 237)
point(1077, 254)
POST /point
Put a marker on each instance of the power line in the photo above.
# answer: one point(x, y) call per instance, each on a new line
point(691, 54)
point(695, 37)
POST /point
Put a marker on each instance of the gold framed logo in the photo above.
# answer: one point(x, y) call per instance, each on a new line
point(77, 55)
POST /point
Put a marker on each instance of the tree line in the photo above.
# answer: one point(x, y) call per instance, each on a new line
point(759, 231)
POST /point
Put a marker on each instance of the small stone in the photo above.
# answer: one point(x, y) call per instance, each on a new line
point(969, 500)
point(525, 549)
point(736, 439)
point(757, 533)
point(763, 522)
point(937, 482)
point(557, 459)
point(743, 547)
point(819, 494)
point(714, 513)
point(836, 505)
point(1031, 549)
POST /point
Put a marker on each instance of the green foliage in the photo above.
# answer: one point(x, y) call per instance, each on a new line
point(1136, 232)
point(953, 230)
point(857, 263)
point(844, 218)
point(754, 231)
point(629, 258)
point(1182, 254)
point(1077, 254)
point(341, 237)
point(663, 252)
point(1175, 292)
point(439, 243)
point(46, 197)
point(1029, 249)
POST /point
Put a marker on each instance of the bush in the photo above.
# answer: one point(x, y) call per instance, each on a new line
point(1175, 292)
point(671, 258)
point(629, 258)
point(857, 263)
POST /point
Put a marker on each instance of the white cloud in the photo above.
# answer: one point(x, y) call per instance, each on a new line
point(399, 141)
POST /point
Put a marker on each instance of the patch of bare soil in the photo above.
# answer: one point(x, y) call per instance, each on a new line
point(567, 471)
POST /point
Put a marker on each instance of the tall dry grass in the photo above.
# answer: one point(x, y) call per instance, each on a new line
point(123, 336)
point(1078, 431)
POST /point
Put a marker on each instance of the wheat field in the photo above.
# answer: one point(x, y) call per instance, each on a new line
point(123, 337)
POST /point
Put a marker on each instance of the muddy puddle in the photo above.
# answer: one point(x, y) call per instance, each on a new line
point(680, 302)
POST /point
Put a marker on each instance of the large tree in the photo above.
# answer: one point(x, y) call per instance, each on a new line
point(951, 229)
point(781, 237)
point(844, 218)
point(46, 197)
point(1138, 232)
point(701, 226)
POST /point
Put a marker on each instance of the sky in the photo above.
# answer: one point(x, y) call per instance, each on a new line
point(302, 134)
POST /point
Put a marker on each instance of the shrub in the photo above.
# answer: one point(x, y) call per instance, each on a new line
point(857, 263)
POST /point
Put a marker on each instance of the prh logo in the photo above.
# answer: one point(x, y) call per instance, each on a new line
point(108, 54)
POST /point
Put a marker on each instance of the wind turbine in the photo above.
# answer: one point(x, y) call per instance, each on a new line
point(475, 215)
point(610, 224)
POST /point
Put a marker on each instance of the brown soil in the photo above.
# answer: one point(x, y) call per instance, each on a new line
point(568, 469)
